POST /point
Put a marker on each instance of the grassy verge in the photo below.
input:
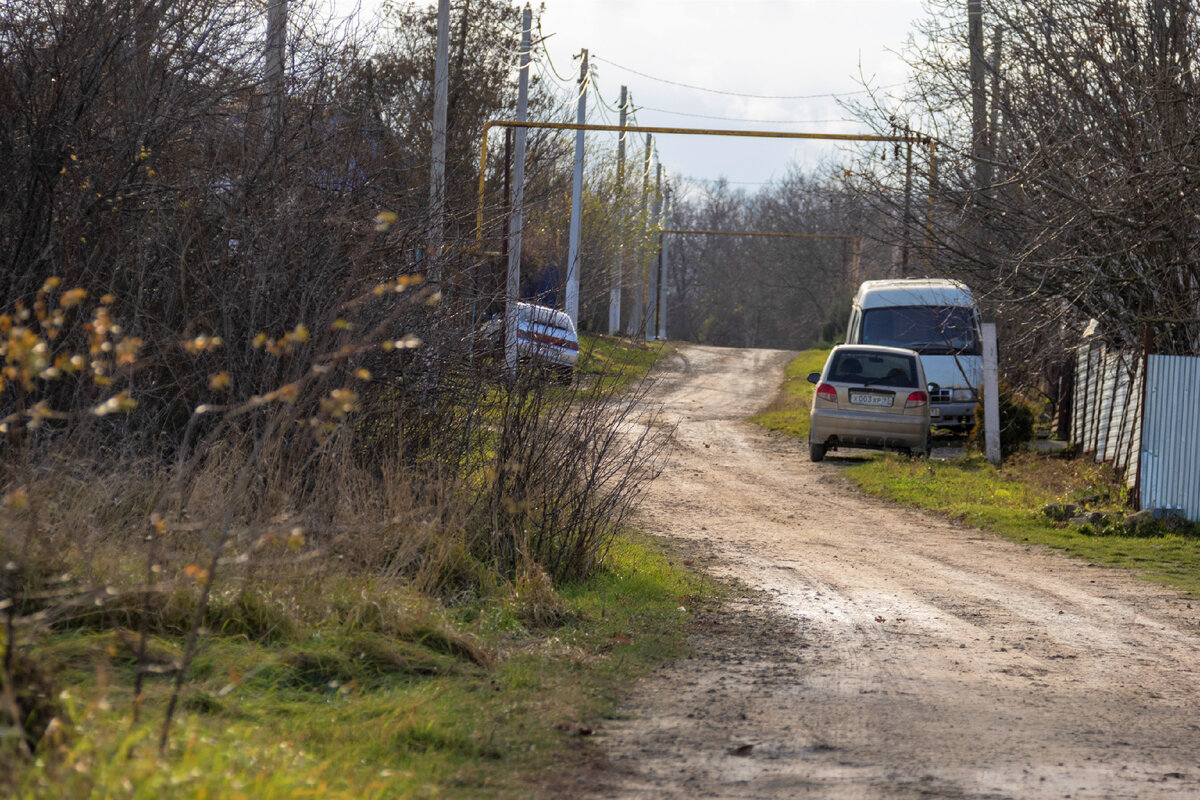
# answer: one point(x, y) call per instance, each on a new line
point(789, 412)
point(387, 696)
point(623, 360)
point(366, 645)
point(1008, 499)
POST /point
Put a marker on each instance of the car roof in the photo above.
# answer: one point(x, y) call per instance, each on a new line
point(544, 315)
point(876, 348)
point(913, 292)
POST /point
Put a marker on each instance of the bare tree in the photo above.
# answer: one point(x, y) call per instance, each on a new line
point(1092, 209)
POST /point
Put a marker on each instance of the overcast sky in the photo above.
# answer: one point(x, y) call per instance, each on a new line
point(777, 48)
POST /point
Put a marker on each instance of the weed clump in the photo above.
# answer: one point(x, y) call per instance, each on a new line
point(536, 603)
point(1018, 418)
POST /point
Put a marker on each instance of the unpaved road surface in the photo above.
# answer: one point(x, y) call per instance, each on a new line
point(878, 652)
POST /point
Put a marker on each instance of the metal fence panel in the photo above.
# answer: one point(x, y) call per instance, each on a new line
point(1106, 415)
point(1170, 451)
point(1133, 448)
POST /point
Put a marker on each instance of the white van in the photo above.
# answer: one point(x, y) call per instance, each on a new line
point(940, 320)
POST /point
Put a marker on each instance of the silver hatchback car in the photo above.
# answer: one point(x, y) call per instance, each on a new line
point(869, 396)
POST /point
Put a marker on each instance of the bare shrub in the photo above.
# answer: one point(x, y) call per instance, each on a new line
point(565, 474)
point(225, 387)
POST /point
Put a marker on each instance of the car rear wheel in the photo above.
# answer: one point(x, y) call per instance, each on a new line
point(816, 452)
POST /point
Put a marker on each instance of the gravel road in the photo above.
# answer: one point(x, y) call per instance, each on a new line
point(877, 652)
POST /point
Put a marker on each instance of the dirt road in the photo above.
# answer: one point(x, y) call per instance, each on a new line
point(882, 653)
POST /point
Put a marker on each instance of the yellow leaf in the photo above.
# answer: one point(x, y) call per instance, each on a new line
point(384, 220)
point(72, 298)
point(127, 350)
point(117, 404)
point(196, 572)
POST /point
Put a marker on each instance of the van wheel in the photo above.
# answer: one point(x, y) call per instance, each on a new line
point(816, 452)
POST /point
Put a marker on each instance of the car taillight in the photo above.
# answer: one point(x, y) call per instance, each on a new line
point(546, 338)
point(827, 392)
point(916, 399)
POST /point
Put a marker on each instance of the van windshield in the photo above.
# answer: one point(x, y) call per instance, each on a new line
point(930, 330)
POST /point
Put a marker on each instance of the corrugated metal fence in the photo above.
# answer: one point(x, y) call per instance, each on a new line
point(1158, 451)
point(1171, 444)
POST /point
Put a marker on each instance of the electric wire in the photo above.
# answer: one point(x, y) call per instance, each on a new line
point(600, 95)
point(742, 119)
point(740, 94)
point(541, 40)
point(577, 90)
point(703, 182)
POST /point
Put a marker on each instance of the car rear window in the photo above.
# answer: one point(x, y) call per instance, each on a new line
point(877, 369)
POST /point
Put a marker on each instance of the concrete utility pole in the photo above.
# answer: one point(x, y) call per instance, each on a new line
point(907, 207)
point(636, 319)
point(614, 287)
point(276, 48)
point(994, 123)
point(981, 149)
point(662, 281)
point(512, 288)
point(655, 259)
point(572, 308)
point(991, 394)
point(437, 172)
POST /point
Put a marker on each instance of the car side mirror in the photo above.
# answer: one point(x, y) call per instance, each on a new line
point(814, 377)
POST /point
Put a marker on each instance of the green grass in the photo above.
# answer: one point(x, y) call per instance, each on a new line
point(617, 361)
point(1008, 499)
point(375, 709)
point(789, 413)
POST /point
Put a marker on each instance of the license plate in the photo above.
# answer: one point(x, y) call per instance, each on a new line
point(871, 399)
point(935, 412)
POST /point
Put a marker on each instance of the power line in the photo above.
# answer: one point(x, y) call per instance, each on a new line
point(541, 40)
point(599, 96)
point(741, 119)
point(737, 94)
point(705, 182)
